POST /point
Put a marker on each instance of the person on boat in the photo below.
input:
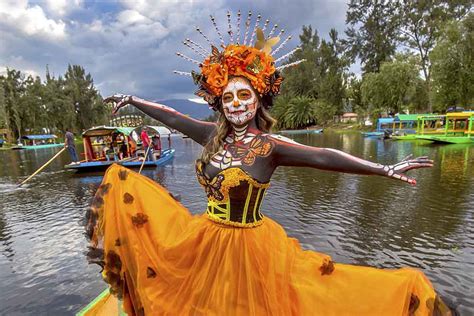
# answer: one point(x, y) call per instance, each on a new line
point(156, 141)
point(71, 146)
point(145, 143)
point(108, 149)
point(122, 146)
point(132, 146)
point(232, 260)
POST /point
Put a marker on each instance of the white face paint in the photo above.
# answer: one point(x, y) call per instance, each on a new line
point(239, 101)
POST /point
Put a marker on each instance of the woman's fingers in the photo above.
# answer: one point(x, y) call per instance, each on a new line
point(404, 178)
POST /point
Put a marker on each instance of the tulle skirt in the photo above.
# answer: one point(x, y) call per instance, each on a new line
point(162, 260)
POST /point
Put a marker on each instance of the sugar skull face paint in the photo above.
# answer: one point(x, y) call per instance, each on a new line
point(239, 101)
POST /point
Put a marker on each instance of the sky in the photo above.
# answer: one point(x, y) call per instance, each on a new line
point(130, 47)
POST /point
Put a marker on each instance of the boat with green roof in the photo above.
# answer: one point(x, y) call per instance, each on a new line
point(426, 124)
point(459, 129)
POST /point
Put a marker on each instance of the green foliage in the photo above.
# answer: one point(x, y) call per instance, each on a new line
point(294, 112)
point(324, 111)
point(28, 105)
point(392, 88)
point(371, 33)
point(320, 80)
point(420, 26)
point(453, 65)
point(301, 112)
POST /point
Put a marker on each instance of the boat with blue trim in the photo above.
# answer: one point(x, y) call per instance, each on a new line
point(302, 131)
point(37, 142)
point(384, 127)
point(106, 145)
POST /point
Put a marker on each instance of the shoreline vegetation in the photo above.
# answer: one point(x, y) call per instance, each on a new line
point(414, 70)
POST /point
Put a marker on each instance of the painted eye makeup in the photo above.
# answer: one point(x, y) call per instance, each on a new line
point(244, 94)
point(228, 97)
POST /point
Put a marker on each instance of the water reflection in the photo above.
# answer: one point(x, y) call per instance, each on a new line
point(355, 219)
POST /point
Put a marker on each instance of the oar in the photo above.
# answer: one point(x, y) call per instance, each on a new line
point(43, 166)
point(143, 163)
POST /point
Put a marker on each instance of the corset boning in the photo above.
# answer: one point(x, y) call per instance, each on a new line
point(241, 208)
point(234, 197)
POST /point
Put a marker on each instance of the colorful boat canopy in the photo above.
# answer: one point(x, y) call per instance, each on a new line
point(39, 137)
point(408, 117)
point(162, 130)
point(107, 130)
point(385, 120)
point(460, 115)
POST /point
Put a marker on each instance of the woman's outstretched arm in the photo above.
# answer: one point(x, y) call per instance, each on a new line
point(199, 131)
point(290, 153)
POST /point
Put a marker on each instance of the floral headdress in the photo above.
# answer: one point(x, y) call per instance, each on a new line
point(238, 59)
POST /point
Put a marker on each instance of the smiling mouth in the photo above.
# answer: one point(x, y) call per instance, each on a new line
point(237, 112)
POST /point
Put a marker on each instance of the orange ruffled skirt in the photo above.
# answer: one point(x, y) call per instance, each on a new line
point(162, 260)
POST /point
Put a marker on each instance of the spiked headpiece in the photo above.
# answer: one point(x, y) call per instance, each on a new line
point(238, 58)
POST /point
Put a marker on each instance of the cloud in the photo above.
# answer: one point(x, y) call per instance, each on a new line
point(198, 100)
point(129, 46)
point(30, 20)
point(62, 7)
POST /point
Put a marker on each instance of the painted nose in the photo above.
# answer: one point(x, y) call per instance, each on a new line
point(235, 103)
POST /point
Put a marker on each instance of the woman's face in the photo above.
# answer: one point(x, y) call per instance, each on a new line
point(239, 101)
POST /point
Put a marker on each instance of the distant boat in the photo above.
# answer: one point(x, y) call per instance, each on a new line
point(302, 131)
point(37, 142)
point(384, 127)
point(426, 124)
point(459, 129)
point(98, 155)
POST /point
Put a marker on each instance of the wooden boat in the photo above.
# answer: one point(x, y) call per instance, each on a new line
point(38, 142)
point(405, 123)
point(373, 134)
point(384, 126)
point(459, 129)
point(427, 124)
point(104, 145)
point(302, 131)
point(103, 305)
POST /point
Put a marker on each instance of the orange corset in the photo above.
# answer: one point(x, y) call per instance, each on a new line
point(234, 197)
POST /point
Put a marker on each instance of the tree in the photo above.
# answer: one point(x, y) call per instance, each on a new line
point(300, 112)
point(29, 105)
point(79, 87)
point(354, 95)
point(320, 80)
point(420, 26)
point(333, 66)
point(392, 88)
point(372, 32)
point(301, 80)
point(13, 89)
point(453, 65)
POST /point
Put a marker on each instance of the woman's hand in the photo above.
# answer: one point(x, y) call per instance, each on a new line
point(397, 170)
point(120, 101)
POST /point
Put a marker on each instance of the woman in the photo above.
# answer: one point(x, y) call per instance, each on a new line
point(161, 260)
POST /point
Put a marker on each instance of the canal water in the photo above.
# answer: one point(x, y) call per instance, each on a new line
point(359, 220)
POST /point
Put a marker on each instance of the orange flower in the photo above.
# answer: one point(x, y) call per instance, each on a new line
point(238, 60)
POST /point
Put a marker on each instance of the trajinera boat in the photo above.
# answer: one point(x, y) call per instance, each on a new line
point(384, 127)
point(106, 145)
point(302, 131)
point(38, 142)
point(458, 129)
point(426, 124)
